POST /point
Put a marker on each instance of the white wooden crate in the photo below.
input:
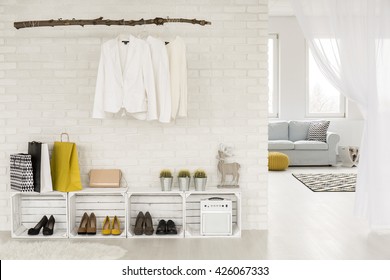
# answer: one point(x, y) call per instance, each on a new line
point(102, 202)
point(161, 205)
point(28, 208)
point(192, 210)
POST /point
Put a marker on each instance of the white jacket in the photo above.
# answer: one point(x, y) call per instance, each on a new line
point(178, 69)
point(161, 77)
point(125, 79)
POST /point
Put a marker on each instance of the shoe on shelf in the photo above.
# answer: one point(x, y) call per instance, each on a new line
point(148, 224)
point(162, 227)
point(35, 230)
point(83, 224)
point(106, 229)
point(49, 227)
point(91, 225)
point(139, 224)
point(116, 226)
point(171, 227)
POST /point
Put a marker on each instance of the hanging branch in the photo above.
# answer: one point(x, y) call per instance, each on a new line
point(101, 21)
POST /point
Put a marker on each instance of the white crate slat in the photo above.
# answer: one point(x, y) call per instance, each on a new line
point(28, 209)
point(102, 212)
point(99, 198)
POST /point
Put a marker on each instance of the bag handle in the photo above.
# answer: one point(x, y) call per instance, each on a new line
point(66, 134)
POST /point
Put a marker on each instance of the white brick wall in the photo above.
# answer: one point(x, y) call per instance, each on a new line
point(47, 81)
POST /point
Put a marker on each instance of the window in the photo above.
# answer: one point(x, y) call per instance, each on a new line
point(273, 76)
point(322, 99)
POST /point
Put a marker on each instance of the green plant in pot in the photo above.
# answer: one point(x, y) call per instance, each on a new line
point(166, 179)
point(184, 177)
point(200, 180)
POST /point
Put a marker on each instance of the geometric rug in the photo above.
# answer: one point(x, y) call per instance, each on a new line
point(59, 250)
point(327, 182)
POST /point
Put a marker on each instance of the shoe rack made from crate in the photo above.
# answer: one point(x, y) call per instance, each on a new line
point(161, 205)
point(28, 208)
point(192, 211)
point(100, 201)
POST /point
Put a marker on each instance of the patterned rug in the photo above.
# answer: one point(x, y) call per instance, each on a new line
point(336, 182)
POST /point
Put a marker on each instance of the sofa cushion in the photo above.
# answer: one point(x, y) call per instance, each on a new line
point(278, 131)
point(298, 130)
point(280, 145)
point(310, 145)
point(318, 130)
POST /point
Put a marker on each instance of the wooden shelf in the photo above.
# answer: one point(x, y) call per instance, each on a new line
point(100, 202)
point(67, 208)
point(28, 208)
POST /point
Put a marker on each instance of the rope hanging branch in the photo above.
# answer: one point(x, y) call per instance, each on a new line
point(108, 22)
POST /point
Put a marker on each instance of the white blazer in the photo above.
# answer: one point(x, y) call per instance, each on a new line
point(161, 77)
point(178, 69)
point(125, 79)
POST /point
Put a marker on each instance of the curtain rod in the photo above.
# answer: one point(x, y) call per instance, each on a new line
point(101, 21)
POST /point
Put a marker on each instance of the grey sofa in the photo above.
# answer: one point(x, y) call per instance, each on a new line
point(290, 138)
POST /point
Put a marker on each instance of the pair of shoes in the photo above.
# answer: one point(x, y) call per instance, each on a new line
point(87, 224)
point(166, 227)
point(143, 224)
point(113, 228)
point(46, 224)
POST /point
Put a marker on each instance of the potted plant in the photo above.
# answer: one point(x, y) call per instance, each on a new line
point(166, 179)
point(200, 180)
point(184, 179)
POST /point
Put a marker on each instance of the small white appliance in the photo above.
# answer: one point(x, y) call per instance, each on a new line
point(215, 216)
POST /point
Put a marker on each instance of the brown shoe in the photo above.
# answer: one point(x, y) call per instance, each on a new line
point(148, 224)
point(91, 225)
point(83, 224)
point(139, 224)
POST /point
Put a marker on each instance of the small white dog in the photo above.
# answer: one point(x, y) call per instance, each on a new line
point(354, 152)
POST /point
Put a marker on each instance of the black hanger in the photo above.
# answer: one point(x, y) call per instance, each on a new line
point(125, 42)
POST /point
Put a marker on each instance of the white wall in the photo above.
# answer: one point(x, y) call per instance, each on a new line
point(292, 48)
point(48, 80)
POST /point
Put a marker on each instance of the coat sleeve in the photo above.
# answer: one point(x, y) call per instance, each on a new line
point(149, 84)
point(98, 106)
point(183, 83)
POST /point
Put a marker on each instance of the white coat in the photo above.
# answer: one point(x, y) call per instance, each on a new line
point(125, 79)
point(178, 69)
point(161, 77)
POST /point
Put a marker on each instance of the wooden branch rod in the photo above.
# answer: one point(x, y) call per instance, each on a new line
point(101, 21)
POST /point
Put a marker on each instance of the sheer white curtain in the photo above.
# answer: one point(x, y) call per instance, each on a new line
point(350, 41)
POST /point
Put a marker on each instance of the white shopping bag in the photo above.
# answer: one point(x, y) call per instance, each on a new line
point(46, 182)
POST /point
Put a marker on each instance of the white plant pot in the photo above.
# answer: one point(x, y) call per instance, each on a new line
point(166, 184)
point(184, 183)
point(200, 184)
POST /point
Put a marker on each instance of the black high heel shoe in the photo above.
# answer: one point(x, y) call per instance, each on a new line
point(48, 228)
point(35, 230)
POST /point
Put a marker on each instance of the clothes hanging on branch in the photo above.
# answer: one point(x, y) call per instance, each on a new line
point(146, 78)
point(125, 79)
point(178, 68)
point(161, 78)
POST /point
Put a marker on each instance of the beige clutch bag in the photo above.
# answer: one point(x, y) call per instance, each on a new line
point(105, 178)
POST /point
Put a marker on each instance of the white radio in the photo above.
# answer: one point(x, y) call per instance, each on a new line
point(216, 216)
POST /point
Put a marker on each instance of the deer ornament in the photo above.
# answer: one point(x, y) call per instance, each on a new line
point(227, 168)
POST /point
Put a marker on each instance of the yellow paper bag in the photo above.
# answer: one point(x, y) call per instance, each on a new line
point(65, 169)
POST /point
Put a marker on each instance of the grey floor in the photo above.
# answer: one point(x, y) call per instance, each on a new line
point(302, 225)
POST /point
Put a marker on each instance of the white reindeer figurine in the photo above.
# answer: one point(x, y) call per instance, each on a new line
point(227, 168)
